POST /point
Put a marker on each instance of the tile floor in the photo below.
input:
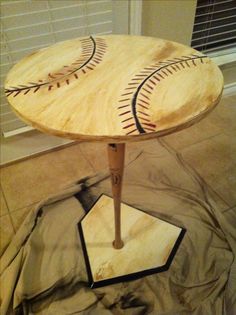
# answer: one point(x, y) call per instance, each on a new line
point(25, 183)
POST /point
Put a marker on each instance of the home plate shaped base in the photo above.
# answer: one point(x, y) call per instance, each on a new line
point(149, 243)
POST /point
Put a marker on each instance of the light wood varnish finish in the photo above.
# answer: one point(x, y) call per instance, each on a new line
point(113, 88)
point(116, 89)
point(148, 240)
point(116, 159)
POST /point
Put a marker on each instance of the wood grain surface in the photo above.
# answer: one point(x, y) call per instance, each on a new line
point(114, 88)
point(148, 240)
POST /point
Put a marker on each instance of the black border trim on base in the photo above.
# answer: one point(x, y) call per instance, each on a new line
point(131, 276)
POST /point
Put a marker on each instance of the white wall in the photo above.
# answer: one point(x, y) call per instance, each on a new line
point(172, 20)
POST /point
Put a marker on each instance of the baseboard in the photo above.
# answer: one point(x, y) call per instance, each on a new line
point(229, 89)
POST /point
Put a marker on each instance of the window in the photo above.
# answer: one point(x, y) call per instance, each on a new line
point(214, 25)
point(28, 25)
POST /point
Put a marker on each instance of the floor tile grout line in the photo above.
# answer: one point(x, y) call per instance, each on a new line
point(197, 142)
point(10, 210)
point(86, 158)
point(37, 154)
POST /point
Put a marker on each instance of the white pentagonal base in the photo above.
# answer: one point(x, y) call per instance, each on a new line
point(149, 243)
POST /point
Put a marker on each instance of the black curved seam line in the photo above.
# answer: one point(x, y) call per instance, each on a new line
point(49, 82)
point(135, 96)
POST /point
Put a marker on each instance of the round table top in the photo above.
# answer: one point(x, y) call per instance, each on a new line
point(114, 88)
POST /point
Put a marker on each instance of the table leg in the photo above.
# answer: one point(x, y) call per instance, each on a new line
point(116, 157)
point(150, 243)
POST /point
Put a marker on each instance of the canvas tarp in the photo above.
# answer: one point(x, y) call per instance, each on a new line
point(43, 269)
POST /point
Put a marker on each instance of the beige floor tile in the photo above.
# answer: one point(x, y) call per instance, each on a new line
point(222, 118)
point(224, 115)
point(27, 144)
point(148, 146)
point(3, 205)
point(29, 181)
point(194, 134)
point(96, 154)
point(213, 159)
point(6, 232)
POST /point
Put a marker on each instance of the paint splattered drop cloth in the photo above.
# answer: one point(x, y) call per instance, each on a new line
point(43, 270)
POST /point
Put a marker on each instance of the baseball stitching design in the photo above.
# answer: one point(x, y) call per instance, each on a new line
point(135, 101)
point(92, 53)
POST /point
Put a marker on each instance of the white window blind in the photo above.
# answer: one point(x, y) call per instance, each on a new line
point(28, 25)
point(214, 25)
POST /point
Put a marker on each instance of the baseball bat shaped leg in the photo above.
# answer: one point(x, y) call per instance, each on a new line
point(116, 158)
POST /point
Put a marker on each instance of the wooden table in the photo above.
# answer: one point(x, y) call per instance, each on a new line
point(116, 89)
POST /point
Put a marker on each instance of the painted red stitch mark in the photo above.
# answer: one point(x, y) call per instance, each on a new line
point(128, 133)
point(160, 75)
point(51, 76)
point(174, 68)
point(187, 64)
point(145, 71)
point(16, 93)
point(123, 100)
point(149, 86)
point(144, 119)
point(156, 78)
point(143, 106)
point(163, 71)
point(154, 83)
point(128, 126)
point(123, 106)
point(147, 91)
point(88, 67)
point(141, 75)
point(130, 88)
point(145, 96)
point(92, 54)
point(149, 125)
point(127, 94)
point(140, 100)
point(127, 119)
point(145, 114)
point(143, 84)
point(133, 83)
point(122, 114)
point(136, 79)
point(36, 89)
